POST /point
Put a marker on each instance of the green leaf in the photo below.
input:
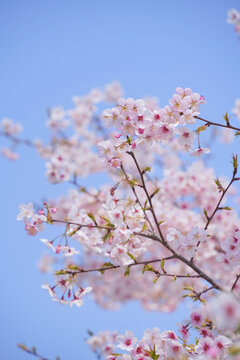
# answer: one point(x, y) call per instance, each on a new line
point(90, 333)
point(147, 267)
point(23, 347)
point(73, 267)
point(219, 185)
point(152, 354)
point(155, 192)
point(60, 272)
point(234, 350)
point(146, 169)
point(131, 256)
point(156, 278)
point(201, 128)
point(101, 271)
point(205, 213)
point(235, 162)
point(91, 216)
point(34, 350)
point(226, 118)
point(127, 271)
point(108, 264)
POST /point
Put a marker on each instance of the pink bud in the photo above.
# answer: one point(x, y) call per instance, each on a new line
point(41, 212)
point(58, 249)
point(53, 210)
point(134, 145)
point(141, 131)
point(117, 136)
point(116, 163)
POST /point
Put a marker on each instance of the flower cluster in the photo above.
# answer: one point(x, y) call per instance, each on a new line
point(230, 255)
point(154, 239)
point(236, 110)
point(186, 245)
point(234, 18)
point(10, 129)
point(71, 291)
point(162, 345)
point(138, 124)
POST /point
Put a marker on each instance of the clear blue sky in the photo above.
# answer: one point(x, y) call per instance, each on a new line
point(52, 50)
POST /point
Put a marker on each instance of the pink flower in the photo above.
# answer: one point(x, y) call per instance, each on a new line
point(26, 211)
point(116, 163)
point(127, 341)
point(200, 151)
point(196, 319)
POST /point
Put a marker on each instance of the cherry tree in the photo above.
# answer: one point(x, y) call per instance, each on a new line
point(161, 229)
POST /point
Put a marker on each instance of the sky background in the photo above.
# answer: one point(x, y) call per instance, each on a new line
point(52, 50)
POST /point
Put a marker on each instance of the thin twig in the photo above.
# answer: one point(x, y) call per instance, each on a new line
point(235, 282)
point(217, 124)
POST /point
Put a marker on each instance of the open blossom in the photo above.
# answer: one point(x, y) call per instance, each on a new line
point(236, 110)
point(9, 154)
point(78, 296)
point(112, 92)
point(119, 254)
point(65, 250)
point(26, 211)
point(234, 18)
point(175, 238)
point(196, 318)
point(200, 151)
point(45, 264)
point(139, 124)
point(9, 127)
point(186, 137)
point(140, 237)
point(225, 311)
point(127, 341)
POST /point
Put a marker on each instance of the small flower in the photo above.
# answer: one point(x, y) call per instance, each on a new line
point(50, 289)
point(26, 211)
point(196, 319)
point(200, 151)
point(126, 341)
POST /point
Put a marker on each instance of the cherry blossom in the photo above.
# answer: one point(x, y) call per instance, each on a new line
point(26, 211)
point(159, 230)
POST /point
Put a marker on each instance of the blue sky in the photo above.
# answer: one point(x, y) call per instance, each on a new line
point(52, 50)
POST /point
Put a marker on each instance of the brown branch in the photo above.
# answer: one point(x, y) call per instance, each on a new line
point(155, 238)
point(137, 198)
point(17, 140)
point(105, 268)
point(32, 351)
point(235, 282)
point(199, 294)
point(217, 124)
point(217, 208)
point(82, 225)
point(147, 195)
point(220, 200)
point(83, 189)
point(184, 260)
